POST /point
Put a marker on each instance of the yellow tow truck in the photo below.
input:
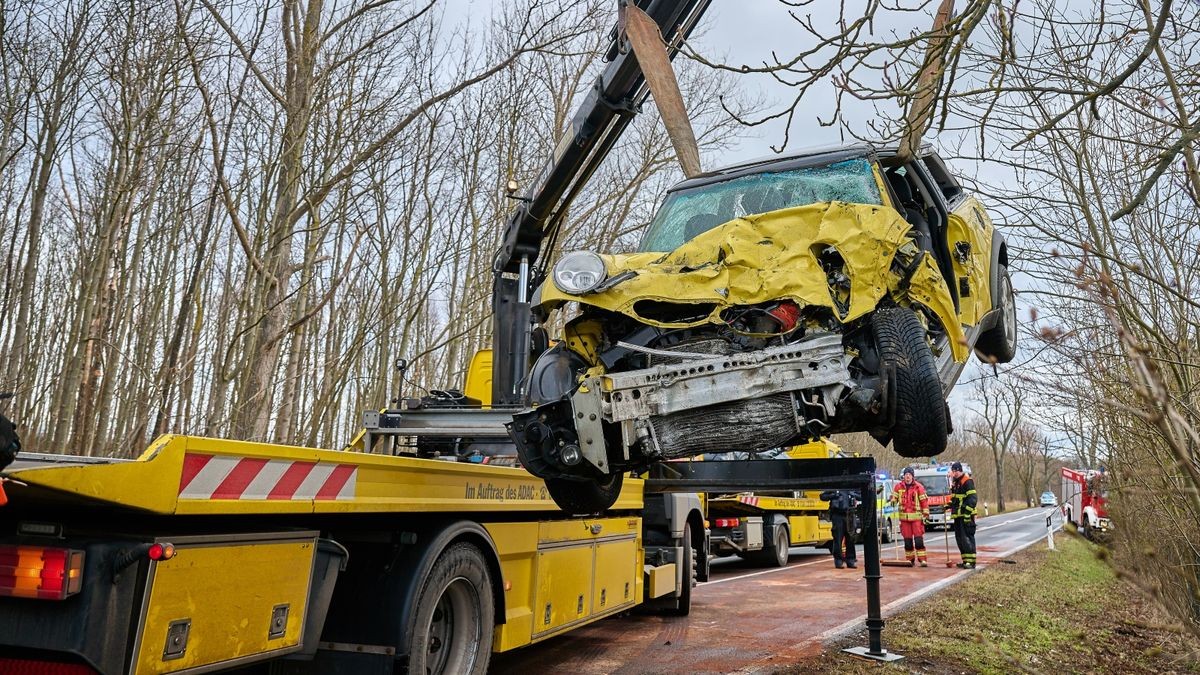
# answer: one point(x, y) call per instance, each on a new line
point(207, 554)
point(760, 526)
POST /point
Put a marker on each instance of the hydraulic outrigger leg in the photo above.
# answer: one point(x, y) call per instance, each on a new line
point(796, 474)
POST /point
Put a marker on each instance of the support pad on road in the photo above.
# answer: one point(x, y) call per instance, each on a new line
point(865, 652)
point(794, 474)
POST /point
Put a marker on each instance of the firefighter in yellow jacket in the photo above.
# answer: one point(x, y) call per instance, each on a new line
point(913, 506)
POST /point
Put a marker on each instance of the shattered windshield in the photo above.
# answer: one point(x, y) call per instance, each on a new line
point(935, 486)
point(688, 213)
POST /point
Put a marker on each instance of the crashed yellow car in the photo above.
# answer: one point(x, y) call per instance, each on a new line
point(770, 303)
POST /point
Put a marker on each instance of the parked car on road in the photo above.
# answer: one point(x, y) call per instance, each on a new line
point(1048, 499)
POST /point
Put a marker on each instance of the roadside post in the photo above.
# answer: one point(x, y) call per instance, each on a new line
point(1050, 530)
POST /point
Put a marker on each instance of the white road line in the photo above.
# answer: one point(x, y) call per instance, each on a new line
point(778, 569)
point(884, 548)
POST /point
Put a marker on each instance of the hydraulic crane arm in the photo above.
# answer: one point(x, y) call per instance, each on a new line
point(521, 262)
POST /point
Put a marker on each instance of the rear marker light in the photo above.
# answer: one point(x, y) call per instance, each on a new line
point(726, 522)
point(161, 551)
point(40, 572)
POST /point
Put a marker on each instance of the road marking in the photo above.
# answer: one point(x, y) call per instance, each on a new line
point(822, 559)
point(890, 547)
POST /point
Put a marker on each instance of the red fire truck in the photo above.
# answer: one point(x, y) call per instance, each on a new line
point(1085, 501)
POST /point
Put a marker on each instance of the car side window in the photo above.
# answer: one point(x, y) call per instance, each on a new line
point(949, 187)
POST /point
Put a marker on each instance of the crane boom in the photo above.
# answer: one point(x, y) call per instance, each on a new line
point(597, 124)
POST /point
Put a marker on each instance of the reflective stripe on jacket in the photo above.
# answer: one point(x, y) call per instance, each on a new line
point(914, 503)
point(962, 498)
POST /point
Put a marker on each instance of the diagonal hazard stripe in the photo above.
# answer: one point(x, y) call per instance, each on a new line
point(212, 470)
point(314, 481)
point(192, 465)
point(291, 479)
point(236, 482)
point(266, 479)
point(333, 485)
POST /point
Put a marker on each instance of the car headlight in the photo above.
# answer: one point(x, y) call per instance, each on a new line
point(579, 272)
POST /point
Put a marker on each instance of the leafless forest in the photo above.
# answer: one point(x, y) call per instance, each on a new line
point(231, 219)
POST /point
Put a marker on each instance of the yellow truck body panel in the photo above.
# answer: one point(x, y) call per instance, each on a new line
point(218, 602)
point(561, 574)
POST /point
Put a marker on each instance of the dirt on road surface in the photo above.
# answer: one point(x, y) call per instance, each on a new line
point(747, 619)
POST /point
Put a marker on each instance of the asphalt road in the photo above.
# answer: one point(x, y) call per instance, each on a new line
point(748, 620)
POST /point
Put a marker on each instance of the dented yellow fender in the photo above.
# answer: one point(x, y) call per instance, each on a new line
point(770, 256)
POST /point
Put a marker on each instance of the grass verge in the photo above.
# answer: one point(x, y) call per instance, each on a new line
point(1053, 611)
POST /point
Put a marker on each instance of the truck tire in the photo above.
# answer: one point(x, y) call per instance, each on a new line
point(782, 540)
point(683, 604)
point(774, 553)
point(586, 496)
point(920, 428)
point(999, 343)
point(455, 616)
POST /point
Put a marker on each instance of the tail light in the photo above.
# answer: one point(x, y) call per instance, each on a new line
point(39, 572)
point(727, 522)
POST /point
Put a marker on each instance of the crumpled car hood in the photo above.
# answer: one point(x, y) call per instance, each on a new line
point(769, 256)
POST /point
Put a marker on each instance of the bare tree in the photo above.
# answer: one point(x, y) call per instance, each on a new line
point(998, 408)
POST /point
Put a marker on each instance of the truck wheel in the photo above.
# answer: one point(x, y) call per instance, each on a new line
point(455, 615)
point(782, 539)
point(920, 429)
point(683, 604)
point(774, 552)
point(585, 496)
point(999, 342)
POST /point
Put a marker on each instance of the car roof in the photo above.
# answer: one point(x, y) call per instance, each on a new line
point(797, 159)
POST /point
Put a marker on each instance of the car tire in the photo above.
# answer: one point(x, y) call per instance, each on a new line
point(886, 532)
point(920, 428)
point(452, 626)
point(585, 496)
point(998, 344)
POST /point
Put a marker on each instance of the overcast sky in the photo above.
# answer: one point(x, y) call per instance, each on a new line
point(747, 32)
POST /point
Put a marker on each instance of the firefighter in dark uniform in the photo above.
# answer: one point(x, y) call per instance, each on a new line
point(962, 503)
point(842, 504)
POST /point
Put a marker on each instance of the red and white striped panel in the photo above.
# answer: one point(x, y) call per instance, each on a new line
point(249, 478)
point(752, 501)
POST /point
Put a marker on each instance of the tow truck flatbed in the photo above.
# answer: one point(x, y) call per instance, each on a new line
point(190, 475)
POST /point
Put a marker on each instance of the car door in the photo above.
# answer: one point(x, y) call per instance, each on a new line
point(968, 235)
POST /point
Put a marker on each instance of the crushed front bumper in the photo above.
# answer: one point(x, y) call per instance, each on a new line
point(571, 433)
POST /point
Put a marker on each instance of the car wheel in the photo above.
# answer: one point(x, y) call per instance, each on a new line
point(999, 343)
point(886, 533)
point(585, 496)
point(920, 409)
